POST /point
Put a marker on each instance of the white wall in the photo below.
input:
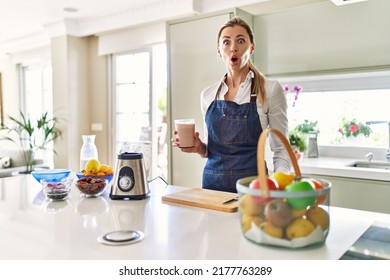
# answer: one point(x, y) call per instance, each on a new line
point(194, 64)
point(10, 87)
point(132, 39)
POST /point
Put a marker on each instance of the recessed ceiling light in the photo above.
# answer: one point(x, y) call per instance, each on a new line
point(71, 10)
point(344, 2)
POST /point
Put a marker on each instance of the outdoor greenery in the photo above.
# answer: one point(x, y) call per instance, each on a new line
point(31, 135)
point(353, 127)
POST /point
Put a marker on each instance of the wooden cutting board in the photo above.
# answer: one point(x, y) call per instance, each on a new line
point(204, 198)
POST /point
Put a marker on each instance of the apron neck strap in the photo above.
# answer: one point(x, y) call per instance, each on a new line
point(253, 94)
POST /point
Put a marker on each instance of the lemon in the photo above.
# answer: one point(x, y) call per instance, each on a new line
point(299, 228)
point(93, 166)
point(319, 217)
point(283, 179)
point(246, 222)
point(271, 230)
point(106, 169)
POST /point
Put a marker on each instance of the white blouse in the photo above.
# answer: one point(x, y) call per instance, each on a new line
point(272, 114)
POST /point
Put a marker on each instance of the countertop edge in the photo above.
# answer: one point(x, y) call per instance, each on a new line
point(332, 166)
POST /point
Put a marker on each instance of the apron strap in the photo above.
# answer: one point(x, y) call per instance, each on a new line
point(253, 94)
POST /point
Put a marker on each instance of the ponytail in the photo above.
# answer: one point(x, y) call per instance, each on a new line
point(258, 83)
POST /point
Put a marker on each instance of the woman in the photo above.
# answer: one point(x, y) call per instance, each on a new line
point(235, 110)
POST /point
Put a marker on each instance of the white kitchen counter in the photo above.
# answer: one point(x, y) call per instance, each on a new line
point(333, 166)
point(32, 228)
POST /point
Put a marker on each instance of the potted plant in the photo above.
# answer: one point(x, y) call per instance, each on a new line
point(32, 136)
point(298, 142)
point(308, 127)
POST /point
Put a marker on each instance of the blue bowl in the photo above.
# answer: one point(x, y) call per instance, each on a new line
point(106, 177)
point(54, 175)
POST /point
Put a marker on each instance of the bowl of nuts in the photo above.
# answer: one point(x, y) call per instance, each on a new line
point(56, 190)
point(91, 187)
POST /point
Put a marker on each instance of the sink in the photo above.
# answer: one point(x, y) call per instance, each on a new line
point(371, 164)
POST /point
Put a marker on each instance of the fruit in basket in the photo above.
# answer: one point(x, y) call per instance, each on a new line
point(271, 229)
point(319, 217)
point(283, 179)
point(299, 228)
point(249, 206)
point(247, 221)
point(299, 203)
point(278, 213)
point(92, 166)
point(255, 184)
point(319, 186)
point(298, 213)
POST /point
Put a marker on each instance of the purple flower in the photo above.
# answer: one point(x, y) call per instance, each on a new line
point(297, 89)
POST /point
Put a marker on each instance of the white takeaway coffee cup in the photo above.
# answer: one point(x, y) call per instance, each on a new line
point(185, 131)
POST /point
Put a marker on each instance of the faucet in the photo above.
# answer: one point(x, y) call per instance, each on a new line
point(369, 156)
point(388, 148)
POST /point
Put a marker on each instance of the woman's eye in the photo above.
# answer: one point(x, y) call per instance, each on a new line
point(241, 41)
point(225, 42)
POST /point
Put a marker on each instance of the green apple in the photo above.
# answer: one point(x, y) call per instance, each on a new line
point(300, 202)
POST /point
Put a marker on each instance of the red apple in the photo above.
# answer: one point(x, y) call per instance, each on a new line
point(272, 186)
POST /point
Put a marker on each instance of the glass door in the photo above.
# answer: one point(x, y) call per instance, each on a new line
point(132, 98)
point(139, 105)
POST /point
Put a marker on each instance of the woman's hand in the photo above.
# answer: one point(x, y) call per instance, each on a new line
point(199, 146)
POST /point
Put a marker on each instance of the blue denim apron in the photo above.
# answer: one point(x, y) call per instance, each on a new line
point(233, 133)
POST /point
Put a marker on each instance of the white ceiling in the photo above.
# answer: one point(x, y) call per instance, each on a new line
point(29, 22)
point(19, 18)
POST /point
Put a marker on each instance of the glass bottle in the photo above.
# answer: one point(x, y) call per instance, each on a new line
point(88, 150)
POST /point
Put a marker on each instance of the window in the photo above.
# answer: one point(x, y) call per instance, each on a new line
point(139, 107)
point(329, 99)
point(37, 98)
point(330, 107)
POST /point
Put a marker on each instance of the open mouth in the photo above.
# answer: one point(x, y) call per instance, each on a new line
point(234, 59)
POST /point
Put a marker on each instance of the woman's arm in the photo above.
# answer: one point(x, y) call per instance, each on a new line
point(276, 116)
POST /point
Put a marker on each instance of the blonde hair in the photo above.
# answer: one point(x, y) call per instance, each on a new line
point(259, 80)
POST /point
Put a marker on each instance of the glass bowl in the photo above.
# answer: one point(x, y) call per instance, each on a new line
point(54, 175)
point(103, 177)
point(57, 190)
point(91, 187)
point(290, 219)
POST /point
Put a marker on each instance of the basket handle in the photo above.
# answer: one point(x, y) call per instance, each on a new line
point(261, 165)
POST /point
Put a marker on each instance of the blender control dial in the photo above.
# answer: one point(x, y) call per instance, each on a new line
point(126, 179)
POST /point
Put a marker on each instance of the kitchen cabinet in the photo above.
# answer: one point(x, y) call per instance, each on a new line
point(361, 194)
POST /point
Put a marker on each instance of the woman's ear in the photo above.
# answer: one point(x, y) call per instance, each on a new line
point(219, 53)
point(252, 48)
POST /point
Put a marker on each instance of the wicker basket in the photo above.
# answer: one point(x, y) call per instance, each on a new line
point(284, 218)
